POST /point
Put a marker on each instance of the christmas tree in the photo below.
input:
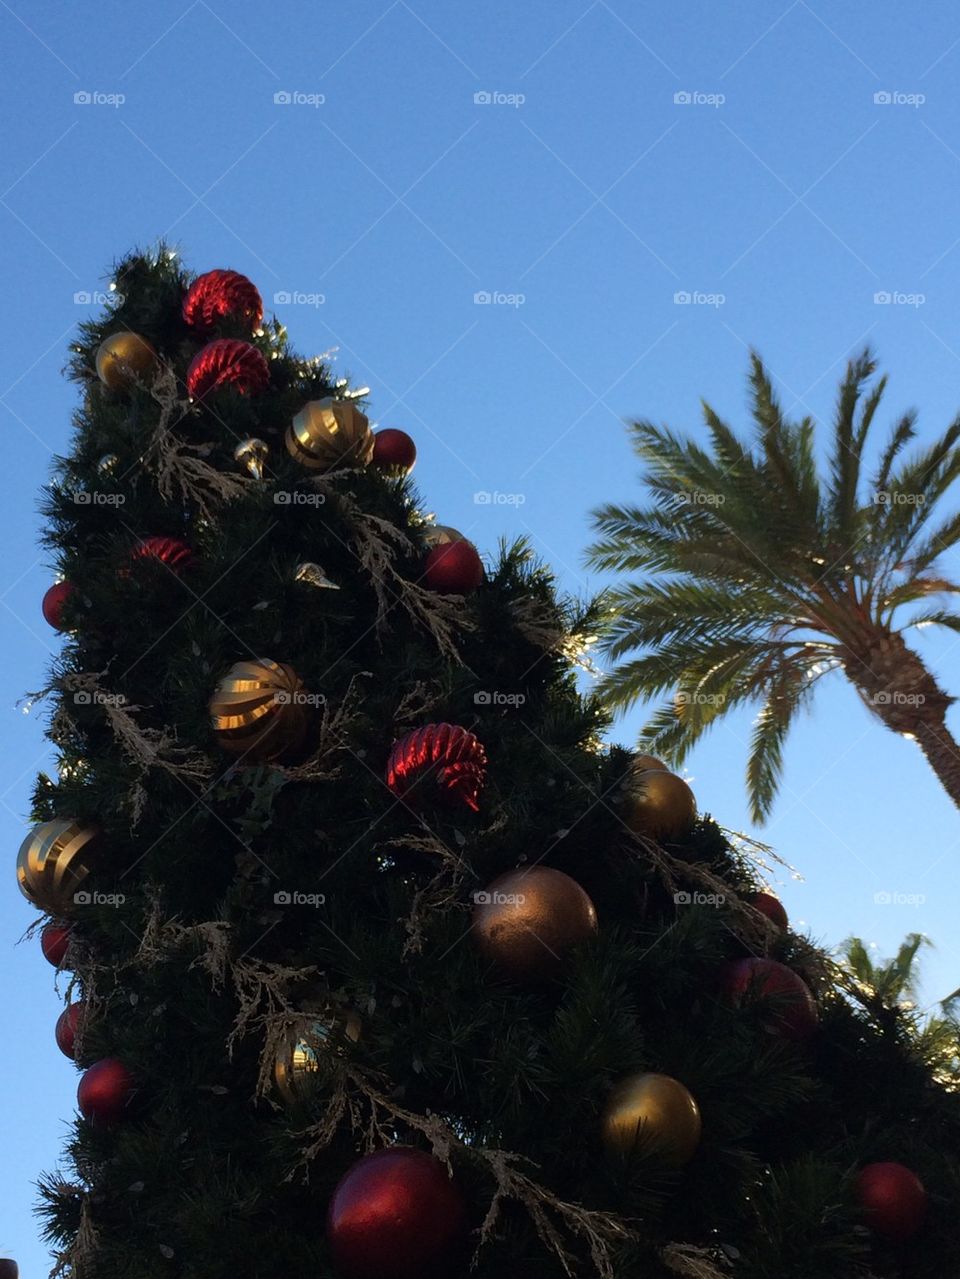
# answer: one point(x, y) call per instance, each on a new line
point(381, 963)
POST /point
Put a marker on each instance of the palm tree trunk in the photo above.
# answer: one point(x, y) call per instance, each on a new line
point(943, 755)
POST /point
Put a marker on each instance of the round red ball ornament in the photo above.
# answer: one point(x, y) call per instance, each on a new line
point(893, 1199)
point(222, 295)
point(795, 1015)
point(9, 1269)
point(53, 603)
point(54, 940)
point(772, 907)
point(397, 1214)
point(394, 451)
point(105, 1091)
point(453, 569)
point(438, 761)
point(169, 551)
point(66, 1029)
point(227, 363)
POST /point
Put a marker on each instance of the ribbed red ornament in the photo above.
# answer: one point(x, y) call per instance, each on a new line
point(441, 756)
point(176, 555)
point(66, 1029)
point(222, 295)
point(227, 362)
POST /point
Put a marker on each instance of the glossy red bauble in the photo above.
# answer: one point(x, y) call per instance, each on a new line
point(53, 602)
point(54, 939)
point(437, 761)
point(222, 295)
point(795, 1015)
point(105, 1091)
point(9, 1269)
point(397, 1214)
point(893, 1199)
point(66, 1030)
point(394, 451)
point(227, 363)
point(772, 907)
point(170, 551)
point(454, 568)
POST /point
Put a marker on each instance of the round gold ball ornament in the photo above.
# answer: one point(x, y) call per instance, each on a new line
point(259, 710)
point(299, 1059)
point(643, 763)
point(54, 860)
point(527, 920)
point(658, 804)
point(329, 433)
point(652, 1115)
point(124, 359)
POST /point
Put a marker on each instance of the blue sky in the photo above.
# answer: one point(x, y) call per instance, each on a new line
point(580, 193)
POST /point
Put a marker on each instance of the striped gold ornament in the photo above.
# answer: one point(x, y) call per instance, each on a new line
point(259, 711)
point(328, 433)
point(54, 860)
point(298, 1059)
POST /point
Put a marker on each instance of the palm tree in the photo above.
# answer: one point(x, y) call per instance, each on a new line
point(761, 575)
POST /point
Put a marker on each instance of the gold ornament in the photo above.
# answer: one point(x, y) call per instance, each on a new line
point(298, 1060)
point(658, 804)
point(314, 575)
point(252, 454)
point(642, 763)
point(54, 860)
point(527, 919)
point(125, 358)
point(259, 711)
point(328, 433)
point(652, 1115)
point(441, 535)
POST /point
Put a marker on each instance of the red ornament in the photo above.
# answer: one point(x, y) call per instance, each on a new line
point(397, 1214)
point(54, 939)
point(772, 907)
point(227, 363)
point(66, 1029)
point(222, 295)
point(394, 451)
point(454, 568)
point(53, 602)
point(105, 1091)
point(893, 1199)
point(439, 759)
point(796, 1014)
point(9, 1269)
point(176, 555)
